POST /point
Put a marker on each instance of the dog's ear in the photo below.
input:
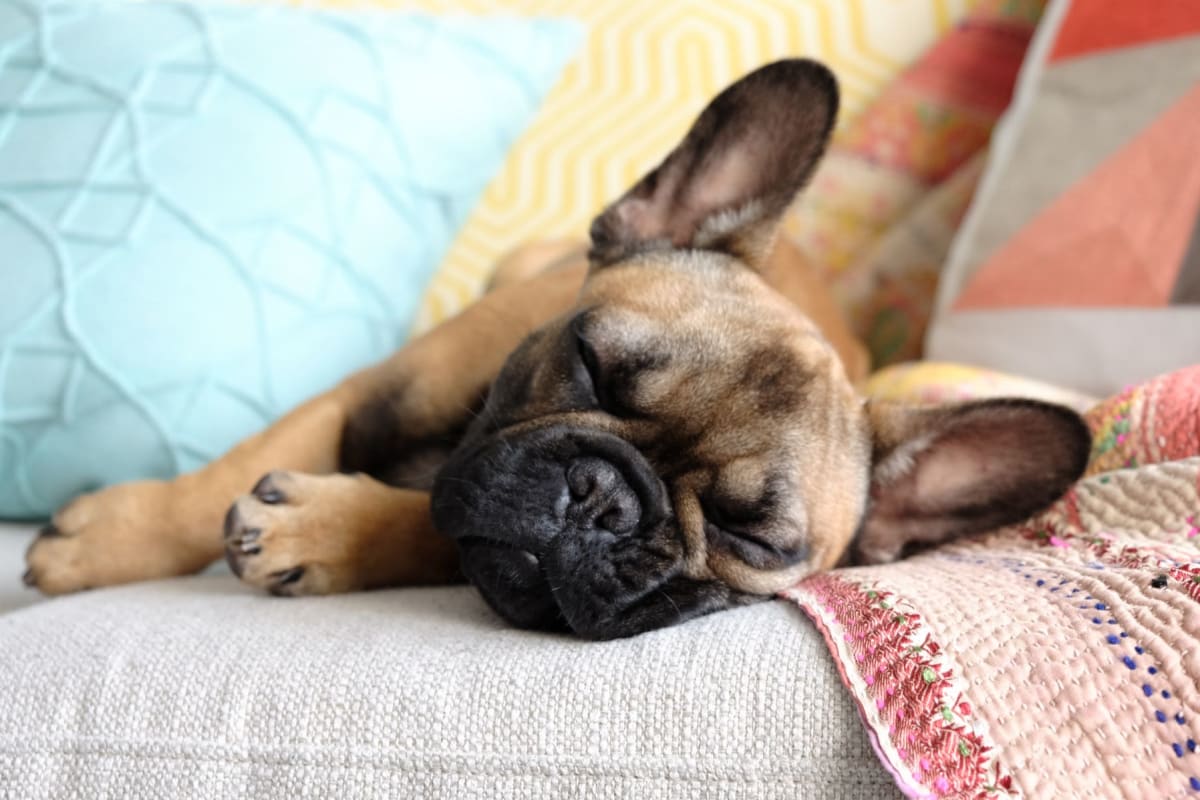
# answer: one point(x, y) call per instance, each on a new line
point(946, 471)
point(739, 167)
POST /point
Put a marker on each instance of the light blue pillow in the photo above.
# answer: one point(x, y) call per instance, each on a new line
point(209, 213)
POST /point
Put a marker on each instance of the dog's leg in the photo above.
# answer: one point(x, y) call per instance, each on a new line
point(155, 529)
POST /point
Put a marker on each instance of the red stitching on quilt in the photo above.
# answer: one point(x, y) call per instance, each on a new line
point(910, 688)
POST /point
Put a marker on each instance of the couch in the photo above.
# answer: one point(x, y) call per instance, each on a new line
point(202, 688)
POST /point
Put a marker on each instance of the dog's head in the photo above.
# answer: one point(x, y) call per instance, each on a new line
point(685, 440)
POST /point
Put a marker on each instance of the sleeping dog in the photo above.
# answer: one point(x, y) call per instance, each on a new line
point(661, 430)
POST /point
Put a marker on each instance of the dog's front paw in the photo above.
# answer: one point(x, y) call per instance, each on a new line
point(118, 535)
point(284, 536)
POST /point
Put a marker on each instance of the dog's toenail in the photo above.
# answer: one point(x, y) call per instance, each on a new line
point(231, 521)
point(49, 531)
point(235, 563)
point(251, 549)
point(250, 535)
point(266, 492)
point(28, 578)
point(289, 576)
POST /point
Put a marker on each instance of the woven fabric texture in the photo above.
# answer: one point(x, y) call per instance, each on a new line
point(1055, 658)
point(199, 688)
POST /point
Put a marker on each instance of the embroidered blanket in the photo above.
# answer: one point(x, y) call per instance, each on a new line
point(1056, 658)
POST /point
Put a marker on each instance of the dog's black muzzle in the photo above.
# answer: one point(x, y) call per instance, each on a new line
point(569, 529)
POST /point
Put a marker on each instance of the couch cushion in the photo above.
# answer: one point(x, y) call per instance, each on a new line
point(199, 688)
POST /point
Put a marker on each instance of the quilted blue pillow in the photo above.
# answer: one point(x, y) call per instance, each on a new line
point(209, 213)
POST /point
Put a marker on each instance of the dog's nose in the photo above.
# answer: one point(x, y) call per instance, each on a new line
point(600, 497)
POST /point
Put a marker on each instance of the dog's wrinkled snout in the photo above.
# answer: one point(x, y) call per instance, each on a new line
point(563, 528)
point(526, 491)
point(601, 499)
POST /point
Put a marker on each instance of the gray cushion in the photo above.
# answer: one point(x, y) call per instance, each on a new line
point(200, 688)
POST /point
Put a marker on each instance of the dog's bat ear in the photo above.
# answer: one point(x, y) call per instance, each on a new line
point(729, 181)
point(945, 471)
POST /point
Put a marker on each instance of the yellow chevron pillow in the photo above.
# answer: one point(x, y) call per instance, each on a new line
point(646, 70)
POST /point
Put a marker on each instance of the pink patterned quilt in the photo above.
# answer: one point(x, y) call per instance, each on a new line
point(1057, 658)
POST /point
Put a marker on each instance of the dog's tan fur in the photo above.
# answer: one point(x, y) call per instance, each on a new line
point(666, 426)
point(360, 533)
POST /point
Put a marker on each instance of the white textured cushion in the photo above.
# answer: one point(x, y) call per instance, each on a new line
point(200, 688)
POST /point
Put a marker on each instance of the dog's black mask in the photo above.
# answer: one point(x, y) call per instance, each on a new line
point(563, 528)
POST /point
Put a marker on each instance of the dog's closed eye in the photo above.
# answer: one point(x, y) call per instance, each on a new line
point(591, 372)
point(735, 527)
point(610, 386)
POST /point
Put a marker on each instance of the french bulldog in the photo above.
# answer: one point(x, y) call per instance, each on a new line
point(663, 427)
